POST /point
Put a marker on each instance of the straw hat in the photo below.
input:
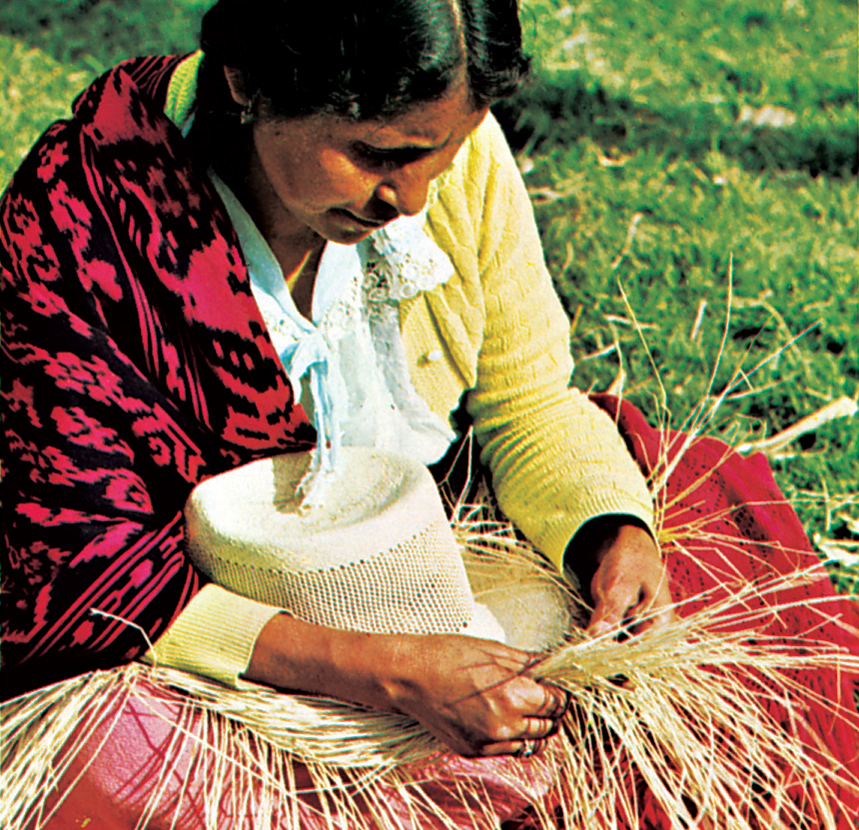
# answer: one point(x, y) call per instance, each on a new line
point(379, 555)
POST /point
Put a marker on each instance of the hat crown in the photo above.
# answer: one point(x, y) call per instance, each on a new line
point(379, 555)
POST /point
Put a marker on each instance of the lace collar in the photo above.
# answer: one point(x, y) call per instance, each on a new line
point(361, 392)
point(401, 260)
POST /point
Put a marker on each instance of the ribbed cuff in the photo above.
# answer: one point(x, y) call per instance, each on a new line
point(553, 542)
point(214, 636)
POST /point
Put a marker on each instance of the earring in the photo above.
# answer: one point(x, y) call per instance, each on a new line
point(247, 115)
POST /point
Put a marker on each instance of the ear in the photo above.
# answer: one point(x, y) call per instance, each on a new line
point(236, 82)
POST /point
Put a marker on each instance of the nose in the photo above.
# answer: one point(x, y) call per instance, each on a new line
point(405, 189)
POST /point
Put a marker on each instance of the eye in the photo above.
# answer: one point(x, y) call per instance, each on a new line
point(383, 157)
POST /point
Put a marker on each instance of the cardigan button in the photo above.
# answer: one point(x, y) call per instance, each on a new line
point(434, 356)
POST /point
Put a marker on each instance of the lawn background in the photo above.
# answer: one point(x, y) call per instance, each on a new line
point(665, 146)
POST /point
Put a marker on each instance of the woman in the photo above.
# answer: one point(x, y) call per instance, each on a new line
point(173, 265)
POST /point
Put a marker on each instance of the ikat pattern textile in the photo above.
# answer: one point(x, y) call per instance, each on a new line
point(135, 364)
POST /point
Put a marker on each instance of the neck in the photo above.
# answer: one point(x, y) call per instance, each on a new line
point(283, 232)
point(296, 247)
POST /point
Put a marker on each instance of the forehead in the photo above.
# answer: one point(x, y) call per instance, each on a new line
point(425, 124)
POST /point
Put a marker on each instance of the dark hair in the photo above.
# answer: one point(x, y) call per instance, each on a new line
point(364, 58)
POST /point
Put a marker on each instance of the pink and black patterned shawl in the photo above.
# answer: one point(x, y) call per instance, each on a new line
point(135, 364)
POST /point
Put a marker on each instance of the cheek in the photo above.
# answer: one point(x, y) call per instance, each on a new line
point(341, 180)
point(445, 161)
point(322, 181)
point(289, 173)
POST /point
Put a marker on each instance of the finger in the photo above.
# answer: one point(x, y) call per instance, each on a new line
point(610, 614)
point(655, 619)
point(538, 746)
point(519, 748)
point(624, 603)
point(655, 611)
point(531, 748)
point(502, 748)
point(526, 697)
point(555, 703)
point(614, 596)
point(537, 728)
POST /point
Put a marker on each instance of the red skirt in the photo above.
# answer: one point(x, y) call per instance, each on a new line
point(725, 523)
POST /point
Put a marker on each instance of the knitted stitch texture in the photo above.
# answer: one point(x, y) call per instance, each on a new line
point(557, 460)
point(495, 327)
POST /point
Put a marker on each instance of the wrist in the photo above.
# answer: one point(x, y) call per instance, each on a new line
point(596, 536)
point(295, 655)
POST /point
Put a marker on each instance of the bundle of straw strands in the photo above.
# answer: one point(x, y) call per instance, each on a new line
point(678, 708)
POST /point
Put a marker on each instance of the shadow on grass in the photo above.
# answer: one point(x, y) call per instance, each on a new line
point(553, 112)
point(554, 109)
point(100, 33)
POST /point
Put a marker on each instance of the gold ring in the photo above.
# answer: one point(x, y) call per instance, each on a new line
point(527, 749)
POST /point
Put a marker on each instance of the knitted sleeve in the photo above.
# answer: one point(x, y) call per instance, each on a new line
point(557, 460)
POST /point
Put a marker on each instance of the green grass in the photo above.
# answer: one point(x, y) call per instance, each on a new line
point(718, 131)
point(692, 74)
point(789, 274)
point(98, 33)
point(642, 117)
point(34, 90)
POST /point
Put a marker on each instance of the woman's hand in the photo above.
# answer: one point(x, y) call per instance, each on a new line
point(628, 582)
point(474, 695)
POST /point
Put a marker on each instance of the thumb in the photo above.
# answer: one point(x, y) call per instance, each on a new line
point(606, 616)
point(612, 606)
point(598, 628)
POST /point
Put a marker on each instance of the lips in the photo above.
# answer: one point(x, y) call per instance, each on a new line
point(360, 220)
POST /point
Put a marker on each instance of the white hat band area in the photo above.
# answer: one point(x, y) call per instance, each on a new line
point(378, 556)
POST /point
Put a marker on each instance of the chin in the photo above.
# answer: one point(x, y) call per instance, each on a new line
point(344, 237)
point(338, 225)
point(342, 233)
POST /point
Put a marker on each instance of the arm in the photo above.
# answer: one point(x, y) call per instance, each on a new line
point(97, 464)
point(87, 525)
point(474, 695)
point(124, 384)
point(558, 461)
point(97, 461)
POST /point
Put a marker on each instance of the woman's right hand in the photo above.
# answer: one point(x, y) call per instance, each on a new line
point(475, 695)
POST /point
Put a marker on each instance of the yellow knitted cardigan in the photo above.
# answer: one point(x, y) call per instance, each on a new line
point(495, 330)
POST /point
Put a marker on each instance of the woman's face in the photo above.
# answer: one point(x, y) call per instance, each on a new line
point(342, 179)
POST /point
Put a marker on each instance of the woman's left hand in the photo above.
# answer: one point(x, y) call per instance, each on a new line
point(630, 586)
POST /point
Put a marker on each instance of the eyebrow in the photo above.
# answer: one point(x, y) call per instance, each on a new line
point(409, 147)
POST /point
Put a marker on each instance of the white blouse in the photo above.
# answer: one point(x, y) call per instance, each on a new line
point(347, 364)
